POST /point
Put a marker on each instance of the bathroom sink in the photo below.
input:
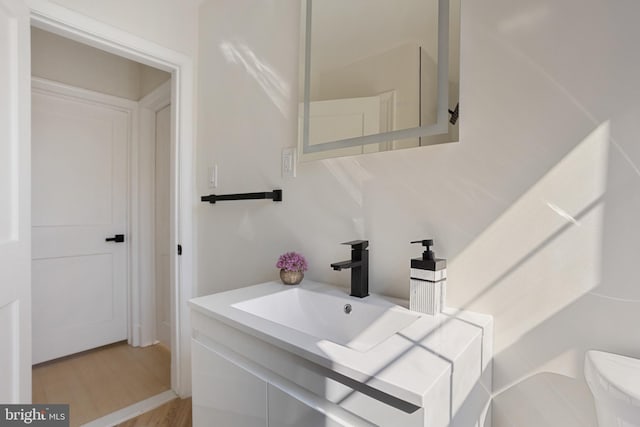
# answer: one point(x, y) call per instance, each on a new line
point(407, 356)
point(343, 320)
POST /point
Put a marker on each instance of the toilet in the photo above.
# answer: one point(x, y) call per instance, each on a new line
point(614, 381)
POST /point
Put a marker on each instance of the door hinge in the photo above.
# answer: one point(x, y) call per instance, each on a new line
point(179, 249)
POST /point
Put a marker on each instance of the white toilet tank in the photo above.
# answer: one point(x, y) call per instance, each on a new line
point(614, 381)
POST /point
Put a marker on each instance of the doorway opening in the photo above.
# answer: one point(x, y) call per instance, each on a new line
point(59, 20)
point(103, 207)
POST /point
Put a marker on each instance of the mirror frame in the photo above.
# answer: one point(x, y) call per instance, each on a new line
point(441, 127)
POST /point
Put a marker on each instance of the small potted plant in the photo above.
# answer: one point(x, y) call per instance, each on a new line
point(292, 266)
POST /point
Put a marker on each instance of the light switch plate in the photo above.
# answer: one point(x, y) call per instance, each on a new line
point(289, 158)
point(212, 178)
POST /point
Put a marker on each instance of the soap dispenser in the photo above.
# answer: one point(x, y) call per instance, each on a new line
point(428, 281)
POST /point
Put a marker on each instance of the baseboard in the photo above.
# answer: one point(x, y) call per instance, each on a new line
point(133, 411)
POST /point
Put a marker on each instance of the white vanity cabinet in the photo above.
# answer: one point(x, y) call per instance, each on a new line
point(286, 410)
point(230, 390)
point(250, 371)
point(225, 394)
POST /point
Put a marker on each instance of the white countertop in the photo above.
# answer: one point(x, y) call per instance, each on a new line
point(406, 365)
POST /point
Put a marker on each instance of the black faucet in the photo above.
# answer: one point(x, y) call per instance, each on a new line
point(359, 265)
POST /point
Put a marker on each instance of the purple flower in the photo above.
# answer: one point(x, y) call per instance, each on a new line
point(292, 261)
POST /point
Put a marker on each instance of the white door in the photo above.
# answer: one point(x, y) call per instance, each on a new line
point(79, 199)
point(162, 240)
point(15, 315)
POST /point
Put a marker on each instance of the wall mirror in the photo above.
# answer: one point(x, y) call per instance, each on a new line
point(377, 75)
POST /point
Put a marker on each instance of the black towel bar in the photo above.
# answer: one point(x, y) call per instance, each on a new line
point(275, 195)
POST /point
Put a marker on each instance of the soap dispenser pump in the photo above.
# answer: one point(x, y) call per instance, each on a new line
point(428, 281)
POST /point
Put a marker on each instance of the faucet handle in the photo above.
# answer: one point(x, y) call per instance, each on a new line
point(357, 244)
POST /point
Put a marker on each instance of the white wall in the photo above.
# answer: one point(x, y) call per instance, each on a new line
point(536, 208)
point(66, 61)
point(170, 23)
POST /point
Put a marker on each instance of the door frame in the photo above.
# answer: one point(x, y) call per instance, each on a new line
point(149, 105)
point(64, 22)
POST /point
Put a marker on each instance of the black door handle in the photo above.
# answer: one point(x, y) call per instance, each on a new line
point(118, 238)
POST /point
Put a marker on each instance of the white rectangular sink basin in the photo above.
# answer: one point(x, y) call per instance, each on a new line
point(324, 316)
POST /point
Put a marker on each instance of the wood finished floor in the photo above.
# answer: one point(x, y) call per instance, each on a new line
point(176, 413)
point(100, 381)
